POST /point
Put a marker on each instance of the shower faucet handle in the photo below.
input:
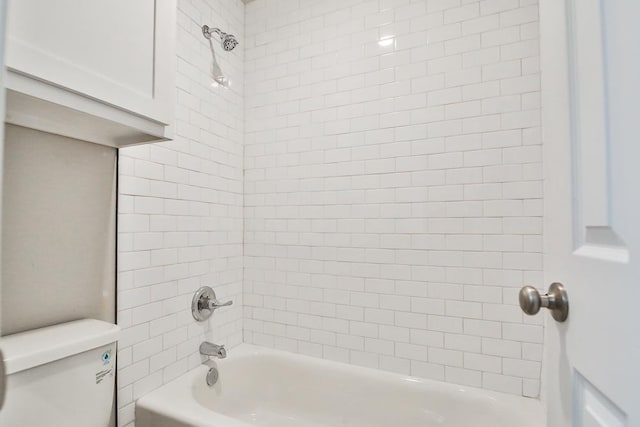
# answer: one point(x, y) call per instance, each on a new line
point(214, 304)
point(204, 303)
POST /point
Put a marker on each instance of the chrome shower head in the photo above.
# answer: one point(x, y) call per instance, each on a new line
point(228, 41)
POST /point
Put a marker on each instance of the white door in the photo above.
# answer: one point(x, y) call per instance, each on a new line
point(3, 15)
point(590, 63)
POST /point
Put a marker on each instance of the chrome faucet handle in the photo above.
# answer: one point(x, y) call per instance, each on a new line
point(204, 303)
point(215, 304)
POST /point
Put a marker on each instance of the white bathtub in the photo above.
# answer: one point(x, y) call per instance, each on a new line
point(269, 388)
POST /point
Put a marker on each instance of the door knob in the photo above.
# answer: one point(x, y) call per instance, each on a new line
point(555, 300)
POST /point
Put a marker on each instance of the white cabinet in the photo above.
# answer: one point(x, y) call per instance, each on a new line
point(97, 70)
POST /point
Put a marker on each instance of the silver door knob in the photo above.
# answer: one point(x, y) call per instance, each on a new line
point(555, 300)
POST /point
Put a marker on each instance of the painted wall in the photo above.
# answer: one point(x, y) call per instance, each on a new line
point(393, 193)
point(59, 230)
point(180, 216)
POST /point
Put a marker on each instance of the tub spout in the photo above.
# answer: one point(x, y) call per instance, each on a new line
point(215, 350)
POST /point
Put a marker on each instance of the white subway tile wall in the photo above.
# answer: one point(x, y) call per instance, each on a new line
point(180, 215)
point(393, 185)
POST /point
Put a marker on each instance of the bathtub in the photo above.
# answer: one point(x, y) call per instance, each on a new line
point(269, 388)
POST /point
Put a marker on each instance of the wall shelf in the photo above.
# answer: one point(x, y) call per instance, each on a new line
point(38, 105)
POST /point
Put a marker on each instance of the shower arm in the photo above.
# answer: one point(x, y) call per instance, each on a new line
point(207, 32)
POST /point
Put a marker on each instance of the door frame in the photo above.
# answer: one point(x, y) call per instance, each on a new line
point(3, 31)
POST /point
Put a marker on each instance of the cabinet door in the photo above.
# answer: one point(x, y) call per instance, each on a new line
point(119, 52)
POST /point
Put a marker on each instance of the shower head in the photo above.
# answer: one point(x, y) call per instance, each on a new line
point(228, 41)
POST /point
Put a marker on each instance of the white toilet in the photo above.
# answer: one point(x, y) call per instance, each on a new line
point(62, 375)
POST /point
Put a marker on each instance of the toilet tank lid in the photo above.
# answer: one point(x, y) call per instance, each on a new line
point(36, 347)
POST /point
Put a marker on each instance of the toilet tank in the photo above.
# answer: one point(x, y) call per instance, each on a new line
point(62, 375)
